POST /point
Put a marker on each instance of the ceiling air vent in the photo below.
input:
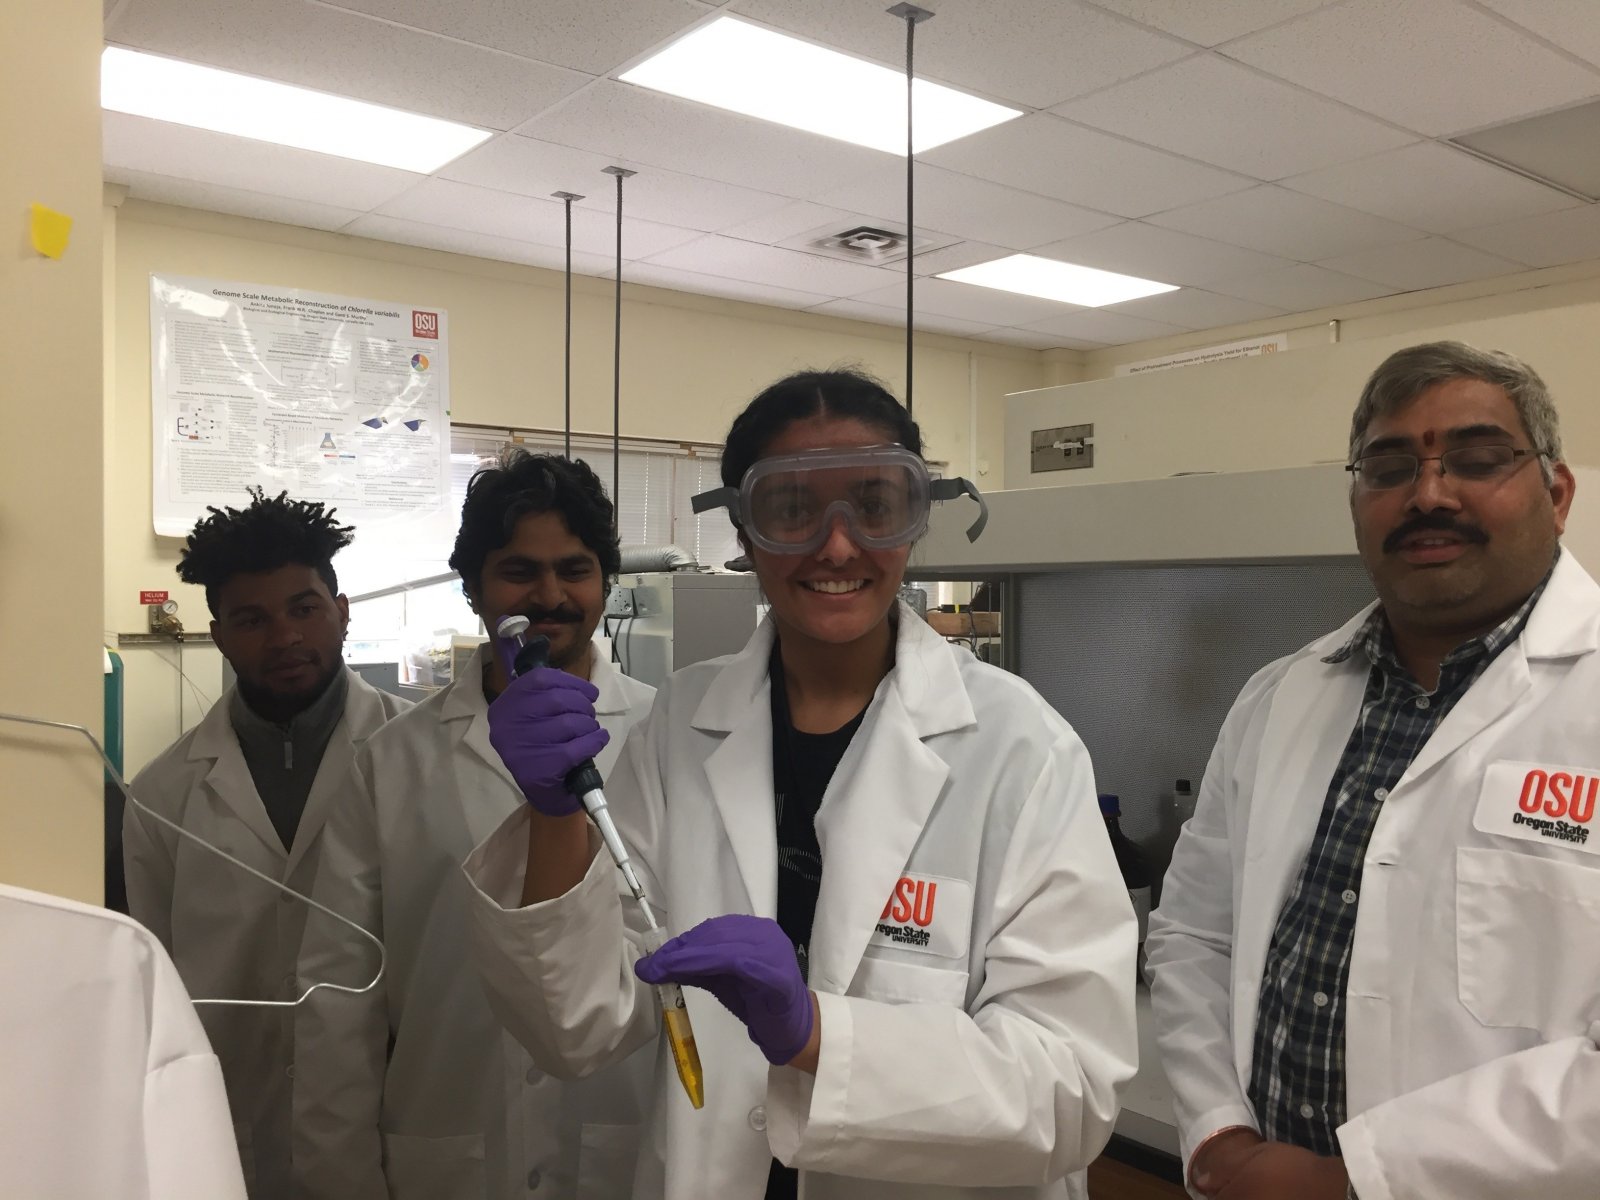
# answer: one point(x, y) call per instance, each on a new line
point(870, 245)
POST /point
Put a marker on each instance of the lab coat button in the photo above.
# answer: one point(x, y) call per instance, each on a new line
point(534, 1179)
point(533, 1075)
point(1348, 896)
point(289, 1071)
point(758, 1119)
point(1307, 1111)
point(1320, 999)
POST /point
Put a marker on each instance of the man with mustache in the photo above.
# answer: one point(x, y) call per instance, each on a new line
point(412, 1089)
point(256, 777)
point(1373, 970)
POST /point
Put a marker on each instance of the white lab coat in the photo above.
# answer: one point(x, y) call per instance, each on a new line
point(1474, 992)
point(457, 1112)
point(231, 935)
point(974, 1039)
point(108, 1087)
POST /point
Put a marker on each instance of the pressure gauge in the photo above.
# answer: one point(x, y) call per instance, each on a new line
point(169, 608)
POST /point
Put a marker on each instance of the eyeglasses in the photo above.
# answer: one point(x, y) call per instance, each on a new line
point(1469, 464)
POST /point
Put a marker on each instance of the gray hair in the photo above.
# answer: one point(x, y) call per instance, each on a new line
point(1406, 374)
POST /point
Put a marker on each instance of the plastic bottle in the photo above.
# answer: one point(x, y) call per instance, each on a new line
point(1136, 875)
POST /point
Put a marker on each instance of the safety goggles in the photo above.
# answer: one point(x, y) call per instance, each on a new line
point(788, 505)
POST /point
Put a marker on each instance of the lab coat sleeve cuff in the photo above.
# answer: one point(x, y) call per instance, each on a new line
point(498, 868)
point(1208, 1125)
point(1358, 1145)
point(806, 1113)
point(1206, 1140)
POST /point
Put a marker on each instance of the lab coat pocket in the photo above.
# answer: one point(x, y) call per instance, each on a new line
point(909, 983)
point(434, 1168)
point(607, 1155)
point(1525, 930)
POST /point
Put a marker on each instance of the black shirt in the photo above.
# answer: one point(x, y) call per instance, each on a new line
point(802, 766)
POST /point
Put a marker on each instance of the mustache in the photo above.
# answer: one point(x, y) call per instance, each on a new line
point(1434, 523)
point(562, 614)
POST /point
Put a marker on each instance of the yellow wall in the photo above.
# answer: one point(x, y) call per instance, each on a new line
point(1294, 408)
point(51, 414)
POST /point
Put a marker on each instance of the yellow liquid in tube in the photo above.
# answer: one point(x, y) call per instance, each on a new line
point(680, 1036)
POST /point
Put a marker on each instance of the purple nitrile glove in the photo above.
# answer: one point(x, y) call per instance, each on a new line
point(747, 963)
point(542, 726)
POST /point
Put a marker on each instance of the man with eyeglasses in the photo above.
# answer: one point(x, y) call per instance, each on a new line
point(1375, 967)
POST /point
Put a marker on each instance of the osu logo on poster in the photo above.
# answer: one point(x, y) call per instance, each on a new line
point(424, 324)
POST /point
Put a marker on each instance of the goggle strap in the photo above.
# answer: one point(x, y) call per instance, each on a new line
point(951, 489)
point(722, 497)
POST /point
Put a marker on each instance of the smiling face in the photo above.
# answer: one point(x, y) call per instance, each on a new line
point(1454, 555)
point(282, 632)
point(545, 573)
point(840, 592)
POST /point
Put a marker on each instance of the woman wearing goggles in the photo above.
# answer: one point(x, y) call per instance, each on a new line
point(907, 949)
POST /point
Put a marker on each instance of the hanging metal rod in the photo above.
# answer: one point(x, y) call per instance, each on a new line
point(912, 16)
point(621, 173)
point(566, 199)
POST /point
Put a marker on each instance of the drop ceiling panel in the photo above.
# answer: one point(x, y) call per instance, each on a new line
point(1558, 146)
point(1030, 52)
point(331, 50)
point(1430, 263)
point(627, 123)
point(1302, 288)
point(1275, 220)
point(187, 193)
point(525, 219)
point(882, 314)
point(1431, 187)
point(1570, 24)
point(180, 152)
point(733, 259)
point(1164, 255)
point(1044, 154)
point(1105, 326)
point(967, 207)
point(967, 302)
point(1435, 66)
point(1192, 308)
point(1033, 340)
point(1571, 235)
point(592, 35)
point(1215, 110)
point(480, 245)
point(1211, 22)
point(712, 285)
point(793, 219)
point(512, 163)
point(953, 258)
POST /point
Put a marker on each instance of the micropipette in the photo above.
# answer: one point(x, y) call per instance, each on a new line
point(584, 782)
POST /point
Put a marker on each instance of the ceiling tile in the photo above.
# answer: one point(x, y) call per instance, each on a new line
point(512, 163)
point(1552, 240)
point(1032, 52)
point(1164, 255)
point(1431, 187)
point(1201, 106)
point(1214, 21)
point(335, 51)
point(1289, 224)
point(880, 314)
point(967, 207)
point(1044, 154)
point(1558, 146)
point(525, 219)
point(968, 302)
point(953, 258)
point(480, 245)
point(1192, 308)
point(714, 285)
point(187, 193)
point(594, 36)
point(181, 152)
point(1436, 66)
point(1430, 263)
point(1303, 287)
point(1033, 340)
point(793, 219)
point(1570, 24)
point(733, 259)
point(1103, 325)
point(631, 124)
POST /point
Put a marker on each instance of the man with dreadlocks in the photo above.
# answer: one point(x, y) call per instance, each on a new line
point(255, 778)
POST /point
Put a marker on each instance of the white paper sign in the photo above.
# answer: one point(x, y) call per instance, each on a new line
point(329, 398)
point(1208, 354)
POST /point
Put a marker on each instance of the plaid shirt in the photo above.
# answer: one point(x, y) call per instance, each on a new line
point(1297, 1077)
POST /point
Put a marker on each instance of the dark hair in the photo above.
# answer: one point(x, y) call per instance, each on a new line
point(839, 393)
point(518, 483)
point(263, 536)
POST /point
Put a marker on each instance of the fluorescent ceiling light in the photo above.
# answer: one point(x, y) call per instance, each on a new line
point(749, 69)
point(1050, 279)
point(165, 89)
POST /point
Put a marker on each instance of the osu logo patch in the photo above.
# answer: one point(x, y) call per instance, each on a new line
point(1541, 802)
point(931, 914)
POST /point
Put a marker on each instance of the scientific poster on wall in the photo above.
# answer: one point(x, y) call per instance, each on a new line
point(329, 398)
